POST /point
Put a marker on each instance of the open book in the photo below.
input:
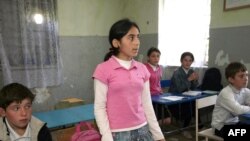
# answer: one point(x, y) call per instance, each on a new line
point(173, 98)
point(192, 93)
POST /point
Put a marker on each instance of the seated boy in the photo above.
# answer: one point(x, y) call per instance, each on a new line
point(17, 122)
point(231, 101)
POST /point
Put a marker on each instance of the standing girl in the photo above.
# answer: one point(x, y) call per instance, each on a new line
point(123, 106)
point(155, 71)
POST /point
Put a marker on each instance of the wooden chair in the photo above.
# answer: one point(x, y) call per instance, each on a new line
point(207, 133)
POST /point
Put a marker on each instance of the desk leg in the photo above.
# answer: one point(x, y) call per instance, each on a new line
point(179, 105)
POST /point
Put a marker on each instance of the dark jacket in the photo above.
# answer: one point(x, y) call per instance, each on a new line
point(39, 131)
point(180, 83)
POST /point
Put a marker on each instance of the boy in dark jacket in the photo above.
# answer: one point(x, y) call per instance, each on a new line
point(17, 121)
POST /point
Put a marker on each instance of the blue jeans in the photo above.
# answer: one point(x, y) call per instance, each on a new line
point(141, 134)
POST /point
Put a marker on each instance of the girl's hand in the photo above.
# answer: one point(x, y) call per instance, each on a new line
point(193, 76)
point(162, 140)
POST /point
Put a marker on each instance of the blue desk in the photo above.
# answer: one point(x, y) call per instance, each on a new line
point(68, 116)
point(245, 118)
point(159, 98)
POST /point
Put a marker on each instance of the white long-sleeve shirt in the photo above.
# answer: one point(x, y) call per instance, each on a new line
point(230, 103)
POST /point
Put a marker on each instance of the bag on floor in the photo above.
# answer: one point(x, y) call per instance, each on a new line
point(91, 134)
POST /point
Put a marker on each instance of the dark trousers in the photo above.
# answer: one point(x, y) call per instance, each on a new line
point(161, 111)
point(221, 132)
point(183, 112)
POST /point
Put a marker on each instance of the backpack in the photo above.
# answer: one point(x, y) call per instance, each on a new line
point(91, 134)
point(211, 80)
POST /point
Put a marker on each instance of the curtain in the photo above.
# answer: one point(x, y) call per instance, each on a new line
point(29, 48)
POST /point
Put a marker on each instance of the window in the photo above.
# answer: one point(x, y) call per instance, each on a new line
point(29, 45)
point(184, 26)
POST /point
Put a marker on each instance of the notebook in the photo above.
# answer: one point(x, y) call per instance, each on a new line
point(173, 98)
point(192, 93)
point(210, 92)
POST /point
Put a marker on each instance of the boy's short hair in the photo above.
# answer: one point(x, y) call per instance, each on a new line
point(14, 92)
point(233, 68)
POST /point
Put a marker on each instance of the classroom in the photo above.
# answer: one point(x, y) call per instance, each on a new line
point(83, 27)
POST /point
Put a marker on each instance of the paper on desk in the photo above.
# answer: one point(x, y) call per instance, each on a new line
point(192, 93)
point(210, 92)
point(173, 98)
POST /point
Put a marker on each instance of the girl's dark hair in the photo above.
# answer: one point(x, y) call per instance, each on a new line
point(117, 31)
point(187, 54)
point(233, 68)
point(153, 49)
point(14, 92)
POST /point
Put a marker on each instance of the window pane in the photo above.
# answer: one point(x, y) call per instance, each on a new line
point(183, 26)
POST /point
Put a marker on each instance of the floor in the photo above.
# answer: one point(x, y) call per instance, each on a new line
point(177, 134)
point(65, 134)
point(172, 133)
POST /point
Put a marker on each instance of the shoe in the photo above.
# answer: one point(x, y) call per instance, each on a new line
point(167, 121)
point(187, 134)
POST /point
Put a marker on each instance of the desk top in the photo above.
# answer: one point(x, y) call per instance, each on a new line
point(160, 100)
point(245, 118)
point(67, 116)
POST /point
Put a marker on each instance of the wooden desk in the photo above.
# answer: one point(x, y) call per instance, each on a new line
point(67, 116)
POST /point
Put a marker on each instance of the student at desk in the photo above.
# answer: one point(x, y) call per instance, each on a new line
point(233, 100)
point(155, 71)
point(123, 106)
point(17, 122)
point(184, 79)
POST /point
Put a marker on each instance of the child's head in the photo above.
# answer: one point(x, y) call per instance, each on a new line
point(187, 58)
point(124, 39)
point(237, 75)
point(15, 105)
point(153, 56)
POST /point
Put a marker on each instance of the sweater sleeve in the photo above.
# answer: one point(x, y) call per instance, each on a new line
point(150, 114)
point(100, 90)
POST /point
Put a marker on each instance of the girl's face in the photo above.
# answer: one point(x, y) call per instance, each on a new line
point(129, 44)
point(240, 80)
point(186, 62)
point(154, 58)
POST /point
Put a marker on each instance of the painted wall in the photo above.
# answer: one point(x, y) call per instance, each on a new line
point(83, 29)
point(229, 36)
point(84, 26)
point(223, 19)
point(94, 17)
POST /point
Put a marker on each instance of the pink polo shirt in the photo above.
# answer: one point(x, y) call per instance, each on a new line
point(124, 101)
point(154, 80)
